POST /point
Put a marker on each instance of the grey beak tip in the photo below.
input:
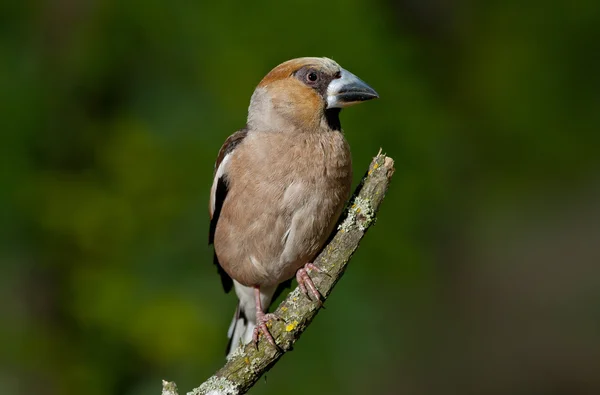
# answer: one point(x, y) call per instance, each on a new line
point(370, 94)
point(358, 92)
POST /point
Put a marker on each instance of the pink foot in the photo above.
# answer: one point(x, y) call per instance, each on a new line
point(306, 283)
point(261, 327)
point(261, 321)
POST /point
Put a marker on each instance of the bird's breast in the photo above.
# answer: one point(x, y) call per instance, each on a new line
point(283, 205)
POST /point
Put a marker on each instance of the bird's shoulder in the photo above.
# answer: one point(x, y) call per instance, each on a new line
point(229, 145)
point(218, 194)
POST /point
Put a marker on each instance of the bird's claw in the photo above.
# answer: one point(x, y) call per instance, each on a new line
point(305, 282)
point(261, 327)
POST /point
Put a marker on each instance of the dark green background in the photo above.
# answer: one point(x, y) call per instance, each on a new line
point(481, 276)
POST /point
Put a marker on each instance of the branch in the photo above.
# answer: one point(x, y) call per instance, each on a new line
point(243, 369)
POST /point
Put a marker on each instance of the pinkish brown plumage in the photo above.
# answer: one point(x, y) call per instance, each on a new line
point(280, 185)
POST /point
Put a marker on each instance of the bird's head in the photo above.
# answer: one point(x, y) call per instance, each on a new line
point(305, 94)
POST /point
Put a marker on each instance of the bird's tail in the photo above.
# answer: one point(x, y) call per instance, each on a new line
point(240, 331)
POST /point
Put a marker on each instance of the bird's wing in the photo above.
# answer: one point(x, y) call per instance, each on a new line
point(218, 194)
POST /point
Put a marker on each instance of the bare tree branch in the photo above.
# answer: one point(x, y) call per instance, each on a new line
point(248, 364)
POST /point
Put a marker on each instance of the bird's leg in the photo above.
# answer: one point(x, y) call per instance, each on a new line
point(261, 321)
point(306, 283)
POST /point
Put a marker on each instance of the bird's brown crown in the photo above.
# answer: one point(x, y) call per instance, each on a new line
point(293, 66)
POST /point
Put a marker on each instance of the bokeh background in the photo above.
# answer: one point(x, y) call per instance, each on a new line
point(481, 276)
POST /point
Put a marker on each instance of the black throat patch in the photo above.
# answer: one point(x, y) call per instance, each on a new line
point(332, 116)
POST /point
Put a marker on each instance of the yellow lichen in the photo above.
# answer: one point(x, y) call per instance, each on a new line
point(291, 326)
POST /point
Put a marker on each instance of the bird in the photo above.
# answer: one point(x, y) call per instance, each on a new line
point(279, 186)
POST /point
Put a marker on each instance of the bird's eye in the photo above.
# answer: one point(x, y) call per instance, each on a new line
point(312, 76)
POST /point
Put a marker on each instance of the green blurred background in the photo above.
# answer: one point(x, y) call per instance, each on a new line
point(481, 276)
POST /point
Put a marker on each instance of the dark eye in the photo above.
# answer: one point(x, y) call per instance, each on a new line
point(312, 76)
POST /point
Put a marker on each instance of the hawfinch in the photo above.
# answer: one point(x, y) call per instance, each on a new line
point(279, 186)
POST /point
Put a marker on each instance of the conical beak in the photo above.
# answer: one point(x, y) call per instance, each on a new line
point(348, 90)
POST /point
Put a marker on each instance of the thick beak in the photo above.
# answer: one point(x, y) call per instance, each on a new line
point(348, 90)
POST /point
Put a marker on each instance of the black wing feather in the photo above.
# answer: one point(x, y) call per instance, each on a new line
point(220, 194)
point(219, 198)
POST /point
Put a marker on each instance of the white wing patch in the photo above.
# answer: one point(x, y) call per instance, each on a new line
point(221, 170)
